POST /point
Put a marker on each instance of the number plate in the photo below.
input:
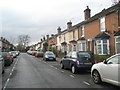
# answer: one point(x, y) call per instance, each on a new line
point(88, 63)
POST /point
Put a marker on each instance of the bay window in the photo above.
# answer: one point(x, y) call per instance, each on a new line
point(103, 47)
point(117, 39)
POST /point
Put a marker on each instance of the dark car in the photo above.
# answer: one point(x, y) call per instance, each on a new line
point(1, 64)
point(49, 56)
point(8, 58)
point(81, 60)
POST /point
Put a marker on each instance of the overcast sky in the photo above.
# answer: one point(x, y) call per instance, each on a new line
point(42, 17)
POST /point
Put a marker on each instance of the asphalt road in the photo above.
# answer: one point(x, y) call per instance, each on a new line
point(30, 72)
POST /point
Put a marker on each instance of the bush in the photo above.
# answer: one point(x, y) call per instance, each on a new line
point(100, 58)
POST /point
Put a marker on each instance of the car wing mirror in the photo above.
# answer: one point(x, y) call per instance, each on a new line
point(105, 62)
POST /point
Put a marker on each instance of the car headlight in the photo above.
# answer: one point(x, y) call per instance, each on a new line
point(46, 56)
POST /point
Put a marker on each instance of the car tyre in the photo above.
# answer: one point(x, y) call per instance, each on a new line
point(61, 65)
point(74, 69)
point(96, 77)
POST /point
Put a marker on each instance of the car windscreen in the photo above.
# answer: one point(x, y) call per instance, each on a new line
point(84, 55)
point(49, 53)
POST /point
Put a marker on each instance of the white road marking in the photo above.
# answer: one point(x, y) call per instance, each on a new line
point(6, 83)
point(62, 71)
point(72, 76)
point(86, 83)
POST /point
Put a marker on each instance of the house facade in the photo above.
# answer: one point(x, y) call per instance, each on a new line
point(99, 34)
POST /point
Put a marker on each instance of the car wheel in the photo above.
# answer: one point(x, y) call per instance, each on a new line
point(3, 71)
point(74, 70)
point(96, 77)
point(61, 65)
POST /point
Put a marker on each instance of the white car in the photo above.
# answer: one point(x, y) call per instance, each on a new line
point(107, 71)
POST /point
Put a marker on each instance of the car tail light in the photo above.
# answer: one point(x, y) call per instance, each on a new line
point(78, 62)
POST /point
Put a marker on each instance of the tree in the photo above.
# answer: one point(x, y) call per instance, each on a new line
point(23, 41)
point(45, 46)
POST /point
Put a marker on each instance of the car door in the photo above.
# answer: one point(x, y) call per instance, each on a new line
point(110, 69)
point(66, 60)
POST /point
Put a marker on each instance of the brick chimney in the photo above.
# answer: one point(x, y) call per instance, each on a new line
point(87, 13)
point(59, 30)
point(47, 37)
point(69, 25)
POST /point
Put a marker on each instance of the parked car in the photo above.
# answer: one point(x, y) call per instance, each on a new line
point(34, 52)
point(39, 54)
point(1, 64)
point(107, 71)
point(49, 56)
point(29, 52)
point(7, 58)
point(77, 60)
point(13, 53)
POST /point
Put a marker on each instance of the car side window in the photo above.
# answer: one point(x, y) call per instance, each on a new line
point(68, 55)
point(114, 60)
point(74, 55)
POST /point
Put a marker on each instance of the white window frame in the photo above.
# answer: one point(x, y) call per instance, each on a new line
point(81, 45)
point(101, 43)
point(102, 24)
point(73, 47)
point(116, 43)
point(83, 31)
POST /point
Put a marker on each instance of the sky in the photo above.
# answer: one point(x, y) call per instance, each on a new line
point(38, 18)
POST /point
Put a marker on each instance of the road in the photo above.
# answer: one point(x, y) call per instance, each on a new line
point(30, 72)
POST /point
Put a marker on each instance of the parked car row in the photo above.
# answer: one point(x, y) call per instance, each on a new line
point(7, 58)
point(48, 55)
point(36, 53)
point(106, 71)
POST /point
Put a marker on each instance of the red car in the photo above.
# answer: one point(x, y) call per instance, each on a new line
point(34, 52)
point(39, 54)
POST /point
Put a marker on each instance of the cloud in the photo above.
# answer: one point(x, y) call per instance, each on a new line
point(42, 17)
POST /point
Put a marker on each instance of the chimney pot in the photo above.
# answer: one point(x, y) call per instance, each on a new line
point(69, 25)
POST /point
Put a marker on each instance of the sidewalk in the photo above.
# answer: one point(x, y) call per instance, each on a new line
point(58, 59)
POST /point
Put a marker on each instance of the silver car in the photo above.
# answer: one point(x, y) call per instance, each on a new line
point(49, 56)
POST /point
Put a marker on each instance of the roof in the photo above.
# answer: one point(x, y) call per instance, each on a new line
point(63, 43)
point(117, 33)
point(73, 41)
point(104, 12)
point(103, 35)
point(83, 38)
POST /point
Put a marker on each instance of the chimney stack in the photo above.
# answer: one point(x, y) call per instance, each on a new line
point(59, 30)
point(47, 37)
point(69, 25)
point(87, 13)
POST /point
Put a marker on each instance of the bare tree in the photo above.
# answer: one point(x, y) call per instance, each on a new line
point(23, 41)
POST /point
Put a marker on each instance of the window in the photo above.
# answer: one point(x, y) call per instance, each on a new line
point(69, 55)
point(74, 47)
point(118, 44)
point(102, 24)
point(82, 31)
point(82, 46)
point(73, 34)
point(74, 55)
point(64, 38)
point(114, 60)
point(103, 47)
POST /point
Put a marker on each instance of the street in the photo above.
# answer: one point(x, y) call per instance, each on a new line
point(30, 72)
